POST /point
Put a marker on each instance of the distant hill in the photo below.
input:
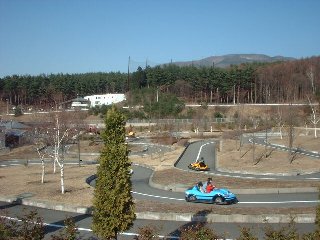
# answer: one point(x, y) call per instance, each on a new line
point(232, 59)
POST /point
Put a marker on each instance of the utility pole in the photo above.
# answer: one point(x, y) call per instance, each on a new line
point(128, 82)
point(157, 94)
point(79, 155)
point(7, 106)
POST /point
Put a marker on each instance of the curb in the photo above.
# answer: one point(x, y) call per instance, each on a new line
point(235, 218)
point(184, 217)
point(182, 188)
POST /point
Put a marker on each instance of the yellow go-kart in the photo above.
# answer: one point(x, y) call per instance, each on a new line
point(199, 165)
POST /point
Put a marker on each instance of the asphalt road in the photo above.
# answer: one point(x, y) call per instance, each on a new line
point(54, 221)
point(206, 149)
point(142, 190)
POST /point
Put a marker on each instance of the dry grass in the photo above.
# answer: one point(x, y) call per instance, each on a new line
point(266, 160)
point(21, 179)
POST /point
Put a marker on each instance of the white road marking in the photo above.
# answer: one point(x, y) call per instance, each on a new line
point(283, 202)
point(285, 148)
point(201, 149)
point(155, 196)
point(280, 202)
point(86, 229)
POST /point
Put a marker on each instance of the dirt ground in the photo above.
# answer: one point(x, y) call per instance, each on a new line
point(26, 179)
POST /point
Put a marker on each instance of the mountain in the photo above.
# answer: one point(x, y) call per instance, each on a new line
point(232, 59)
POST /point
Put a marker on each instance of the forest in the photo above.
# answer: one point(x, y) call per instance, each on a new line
point(280, 82)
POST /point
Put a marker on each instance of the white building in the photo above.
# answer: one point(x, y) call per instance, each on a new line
point(105, 99)
point(79, 103)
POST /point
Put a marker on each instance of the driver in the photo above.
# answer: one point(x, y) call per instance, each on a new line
point(200, 187)
point(209, 185)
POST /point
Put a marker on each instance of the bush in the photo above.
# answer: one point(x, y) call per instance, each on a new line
point(246, 234)
point(288, 232)
point(218, 115)
point(70, 232)
point(198, 231)
point(31, 227)
point(147, 233)
point(18, 112)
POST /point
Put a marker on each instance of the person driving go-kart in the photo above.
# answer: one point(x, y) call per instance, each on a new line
point(208, 186)
point(200, 187)
point(199, 165)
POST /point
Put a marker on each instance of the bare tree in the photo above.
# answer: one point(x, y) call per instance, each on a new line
point(240, 132)
point(290, 119)
point(60, 133)
point(314, 117)
point(40, 140)
point(255, 122)
point(42, 155)
point(59, 128)
point(279, 123)
point(310, 76)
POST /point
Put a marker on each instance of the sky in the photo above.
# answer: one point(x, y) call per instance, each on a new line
point(80, 36)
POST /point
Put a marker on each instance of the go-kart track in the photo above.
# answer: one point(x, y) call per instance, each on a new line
point(144, 188)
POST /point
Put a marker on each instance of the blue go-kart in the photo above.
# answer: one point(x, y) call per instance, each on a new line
point(217, 195)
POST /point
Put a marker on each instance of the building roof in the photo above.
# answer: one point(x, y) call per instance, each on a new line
point(13, 125)
point(77, 99)
point(15, 132)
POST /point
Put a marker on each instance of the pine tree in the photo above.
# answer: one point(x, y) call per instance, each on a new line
point(113, 203)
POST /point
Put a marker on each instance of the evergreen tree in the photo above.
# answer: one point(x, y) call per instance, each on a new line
point(113, 202)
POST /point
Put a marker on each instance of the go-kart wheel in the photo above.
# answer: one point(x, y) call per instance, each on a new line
point(191, 198)
point(218, 200)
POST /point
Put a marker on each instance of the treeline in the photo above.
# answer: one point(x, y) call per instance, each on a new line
point(47, 90)
point(280, 82)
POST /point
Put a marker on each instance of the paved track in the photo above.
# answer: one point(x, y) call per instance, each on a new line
point(206, 149)
point(54, 221)
point(142, 189)
point(170, 222)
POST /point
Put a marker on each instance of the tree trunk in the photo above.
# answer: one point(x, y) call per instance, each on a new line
point(54, 164)
point(43, 171)
point(253, 149)
point(62, 178)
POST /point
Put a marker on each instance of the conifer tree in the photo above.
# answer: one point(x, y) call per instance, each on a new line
point(113, 203)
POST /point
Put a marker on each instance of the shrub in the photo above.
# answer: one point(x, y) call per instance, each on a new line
point(246, 234)
point(70, 232)
point(147, 233)
point(198, 231)
point(30, 227)
point(218, 115)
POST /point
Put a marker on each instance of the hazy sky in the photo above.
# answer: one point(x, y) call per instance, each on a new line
point(77, 36)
